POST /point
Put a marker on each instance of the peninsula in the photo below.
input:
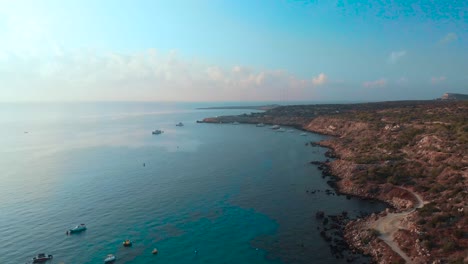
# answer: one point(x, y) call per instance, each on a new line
point(252, 107)
point(410, 154)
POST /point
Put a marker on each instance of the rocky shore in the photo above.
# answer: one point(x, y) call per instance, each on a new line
point(392, 151)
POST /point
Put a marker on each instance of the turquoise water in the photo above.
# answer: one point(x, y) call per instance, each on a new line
point(233, 193)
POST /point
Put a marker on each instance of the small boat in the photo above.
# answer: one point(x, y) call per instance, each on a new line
point(77, 229)
point(180, 124)
point(157, 132)
point(260, 125)
point(275, 127)
point(290, 130)
point(155, 251)
point(127, 243)
point(110, 259)
point(235, 123)
point(281, 130)
point(303, 134)
point(41, 257)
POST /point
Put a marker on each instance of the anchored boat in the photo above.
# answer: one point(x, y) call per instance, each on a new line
point(110, 259)
point(41, 257)
point(77, 229)
point(127, 243)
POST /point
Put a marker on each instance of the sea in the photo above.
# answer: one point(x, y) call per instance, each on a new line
point(200, 193)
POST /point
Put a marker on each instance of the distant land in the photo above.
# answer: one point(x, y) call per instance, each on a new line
point(454, 96)
point(258, 107)
point(410, 154)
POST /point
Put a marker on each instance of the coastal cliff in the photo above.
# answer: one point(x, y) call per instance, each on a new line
point(409, 154)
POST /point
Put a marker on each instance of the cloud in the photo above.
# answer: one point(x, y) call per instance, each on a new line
point(450, 37)
point(402, 81)
point(146, 75)
point(375, 84)
point(320, 79)
point(439, 79)
point(395, 56)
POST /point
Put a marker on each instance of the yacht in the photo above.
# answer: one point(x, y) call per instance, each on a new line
point(235, 123)
point(110, 259)
point(77, 229)
point(180, 124)
point(260, 125)
point(275, 127)
point(281, 130)
point(157, 132)
point(303, 134)
point(41, 257)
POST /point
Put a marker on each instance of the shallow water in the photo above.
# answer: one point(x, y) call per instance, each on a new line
point(233, 193)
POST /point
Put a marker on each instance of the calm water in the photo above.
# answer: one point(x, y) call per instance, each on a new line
point(234, 193)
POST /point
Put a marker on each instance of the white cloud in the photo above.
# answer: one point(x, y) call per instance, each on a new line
point(395, 56)
point(402, 81)
point(375, 84)
point(147, 75)
point(450, 37)
point(215, 73)
point(438, 79)
point(320, 79)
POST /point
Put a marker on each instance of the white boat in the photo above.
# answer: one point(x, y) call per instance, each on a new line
point(275, 127)
point(281, 130)
point(180, 124)
point(77, 229)
point(303, 134)
point(157, 132)
point(260, 125)
point(110, 259)
point(290, 130)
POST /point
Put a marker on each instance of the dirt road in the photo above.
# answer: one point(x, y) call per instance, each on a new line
point(389, 224)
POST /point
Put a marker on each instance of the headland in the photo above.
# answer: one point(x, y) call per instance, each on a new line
point(409, 154)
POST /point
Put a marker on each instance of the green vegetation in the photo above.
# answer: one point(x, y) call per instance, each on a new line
point(405, 143)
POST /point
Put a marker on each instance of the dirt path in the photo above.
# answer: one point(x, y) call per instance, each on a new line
point(389, 224)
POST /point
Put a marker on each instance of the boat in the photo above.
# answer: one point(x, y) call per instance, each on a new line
point(155, 251)
point(127, 243)
point(110, 259)
point(180, 124)
point(77, 229)
point(281, 130)
point(275, 127)
point(303, 134)
point(235, 123)
point(260, 125)
point(290, 130)
point(41, 257)
point(157, 132)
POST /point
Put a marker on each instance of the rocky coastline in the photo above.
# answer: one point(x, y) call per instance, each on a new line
point(377, 150)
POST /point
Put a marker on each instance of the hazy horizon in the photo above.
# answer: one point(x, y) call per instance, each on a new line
point(212, 51)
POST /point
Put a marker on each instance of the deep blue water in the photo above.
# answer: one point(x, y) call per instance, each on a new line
point(234, 193)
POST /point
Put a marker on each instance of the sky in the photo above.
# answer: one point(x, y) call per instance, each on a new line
point(244, 50)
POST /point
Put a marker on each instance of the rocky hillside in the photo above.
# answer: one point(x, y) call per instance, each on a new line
point(421, 145)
